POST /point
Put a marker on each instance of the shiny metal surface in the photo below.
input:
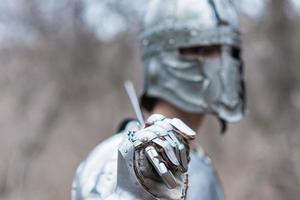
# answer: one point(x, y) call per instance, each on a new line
point(182, 129)
point(134, 101)
point(96, 177)
point(214, 86)
point(160, 163)
point(119, 168)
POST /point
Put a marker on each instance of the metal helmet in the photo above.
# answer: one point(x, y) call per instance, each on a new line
point(214, 86)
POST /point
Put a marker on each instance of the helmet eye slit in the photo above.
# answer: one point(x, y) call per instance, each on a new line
point(200, 52)
point(236, 53)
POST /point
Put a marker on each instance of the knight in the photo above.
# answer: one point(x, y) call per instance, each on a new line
point(191, 55)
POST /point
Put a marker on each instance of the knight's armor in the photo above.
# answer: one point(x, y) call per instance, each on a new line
point(108, 174)
point(155, 162)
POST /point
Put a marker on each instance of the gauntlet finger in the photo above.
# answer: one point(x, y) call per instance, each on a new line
point(174, 145)
point(182, 128)
point(162, 170)
point(180, 152)
point(168, 150)
point(183, 157)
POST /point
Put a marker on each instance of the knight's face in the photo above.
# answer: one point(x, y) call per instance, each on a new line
point(200, 52)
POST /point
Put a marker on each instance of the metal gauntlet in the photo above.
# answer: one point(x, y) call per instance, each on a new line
point(153, 161)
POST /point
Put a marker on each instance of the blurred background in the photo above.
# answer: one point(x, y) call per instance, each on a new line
point(63, 64)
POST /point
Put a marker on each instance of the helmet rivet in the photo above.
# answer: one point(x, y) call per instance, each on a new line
point(145, 139)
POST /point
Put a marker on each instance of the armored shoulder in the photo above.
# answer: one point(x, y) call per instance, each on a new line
point(99, 167)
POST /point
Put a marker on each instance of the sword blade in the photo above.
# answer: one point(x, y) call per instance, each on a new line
point(134, 101)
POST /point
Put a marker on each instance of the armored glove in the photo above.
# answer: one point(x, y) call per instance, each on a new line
point(156, 159)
